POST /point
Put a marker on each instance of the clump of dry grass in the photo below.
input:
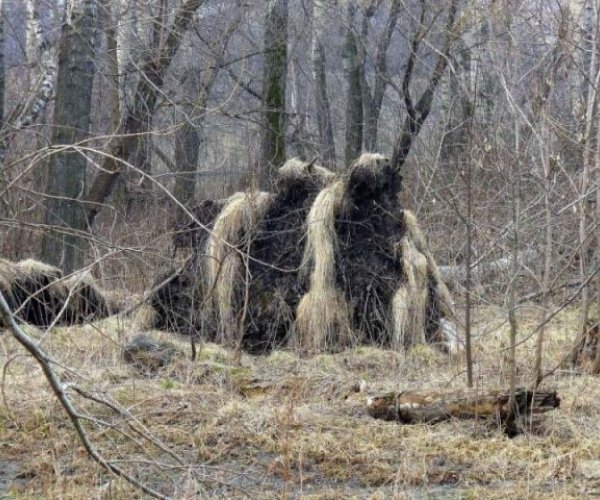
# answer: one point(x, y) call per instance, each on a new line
point(146, 318)
point(295, 171)
point(429, 292)
point(410, 301)
point(322, 318)
point(225, 275)
point(443, 295)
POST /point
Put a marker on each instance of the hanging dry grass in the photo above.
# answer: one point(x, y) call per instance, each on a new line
point(444, 297)
point(225, 275)
point(322, 319)
point(440, 302)
point(410, 301)
point(400, 318)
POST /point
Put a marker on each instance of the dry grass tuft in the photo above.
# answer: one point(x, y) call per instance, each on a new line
point(33, 268)
point(410, 301)
point(444, 297)
point(146, 318)
point(421, 270)
point(295, 171)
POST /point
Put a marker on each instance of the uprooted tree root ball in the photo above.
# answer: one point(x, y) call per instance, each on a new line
point(176, 301)
point(323, 263)
point(276, 256)
point(40, 295)
point(372, 279)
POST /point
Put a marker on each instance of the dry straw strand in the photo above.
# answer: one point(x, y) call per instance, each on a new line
point(439, 294)
point(322, 318)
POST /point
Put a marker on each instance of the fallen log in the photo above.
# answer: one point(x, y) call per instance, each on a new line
point(483, 269)
point(430, 406)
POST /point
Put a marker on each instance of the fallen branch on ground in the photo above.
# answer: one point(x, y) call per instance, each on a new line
point(431, 406)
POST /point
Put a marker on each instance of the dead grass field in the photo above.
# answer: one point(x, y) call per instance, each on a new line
point(288, 427)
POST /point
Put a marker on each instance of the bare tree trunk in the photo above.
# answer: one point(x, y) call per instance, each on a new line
point(354, 103)
point(3, 202)
point(468, 282)
point(108, 26)
point(320, 78)
point(274, 89)
point(66, 181)
point(187, 138)
point(593, 79)
point(512, 287)
point(42, 93)
point(548, 246)
point(187, 146)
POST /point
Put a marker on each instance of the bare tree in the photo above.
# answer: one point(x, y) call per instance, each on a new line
point(322, 107)
point(354, 104)
point(418, 112)
point(150, 81)
point(187, 138)
point(2, 70)
point(372, 95)
point(274, 88)
point(67, 170)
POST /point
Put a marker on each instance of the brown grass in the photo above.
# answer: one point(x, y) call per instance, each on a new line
point(284, 426)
